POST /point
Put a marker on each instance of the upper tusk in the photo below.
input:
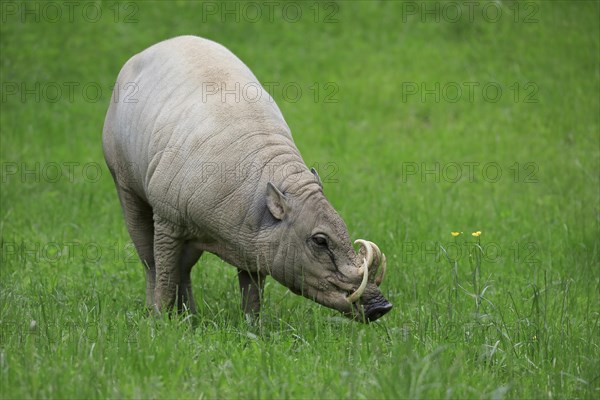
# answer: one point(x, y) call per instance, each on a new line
point(381, 261)
point(367, 245)
point(379, 279)
point(376, 248)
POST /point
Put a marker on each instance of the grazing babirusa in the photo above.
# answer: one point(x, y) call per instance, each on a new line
point(203, 160)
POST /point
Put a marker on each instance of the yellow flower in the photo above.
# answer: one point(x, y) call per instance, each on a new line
point(455, 234)
point(476, 234)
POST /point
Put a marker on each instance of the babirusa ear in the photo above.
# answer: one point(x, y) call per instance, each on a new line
point(276, 202)
point(314, 172)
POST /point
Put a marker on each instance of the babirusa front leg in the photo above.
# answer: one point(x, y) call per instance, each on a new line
point(168, 249)
point(251, 286)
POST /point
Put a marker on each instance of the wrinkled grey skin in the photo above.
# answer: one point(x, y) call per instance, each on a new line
point(198, 170)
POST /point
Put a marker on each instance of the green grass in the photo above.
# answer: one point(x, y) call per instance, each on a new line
point(72, 321)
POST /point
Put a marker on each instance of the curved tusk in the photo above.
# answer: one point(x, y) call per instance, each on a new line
point(379, 279)
point(364, 270)
point(381, 262)
point(356, 295)
point(376, 248)
point(367, 245)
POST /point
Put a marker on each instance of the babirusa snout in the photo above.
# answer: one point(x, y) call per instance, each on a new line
point(371, 254)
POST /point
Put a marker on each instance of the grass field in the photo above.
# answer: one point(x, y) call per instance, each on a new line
point(423, 118)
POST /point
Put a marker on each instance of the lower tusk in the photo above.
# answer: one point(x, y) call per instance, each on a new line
point(356, 295)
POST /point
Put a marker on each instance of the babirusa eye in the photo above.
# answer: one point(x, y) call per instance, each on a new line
point(320, 240)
